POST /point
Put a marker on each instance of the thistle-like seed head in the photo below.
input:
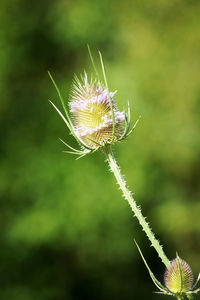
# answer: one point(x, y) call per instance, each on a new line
point(178, 277)
point(92, 114)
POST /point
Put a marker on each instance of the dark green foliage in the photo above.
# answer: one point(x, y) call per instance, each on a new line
point(66, 232)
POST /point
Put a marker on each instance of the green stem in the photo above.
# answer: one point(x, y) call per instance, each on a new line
point(190, 297)
point(128, 196)
point(180, 297)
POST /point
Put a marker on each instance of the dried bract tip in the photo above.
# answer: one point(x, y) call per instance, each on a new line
point(178, 277)
point(92, 115)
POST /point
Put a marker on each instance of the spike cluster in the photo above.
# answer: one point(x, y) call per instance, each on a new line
point(92, 113)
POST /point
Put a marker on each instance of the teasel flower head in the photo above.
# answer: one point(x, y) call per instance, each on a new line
point(91, 113)
point(93, 117)
point(178, 279)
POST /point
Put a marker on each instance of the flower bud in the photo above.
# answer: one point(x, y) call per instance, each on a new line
point(92, 113)
point(178, 277)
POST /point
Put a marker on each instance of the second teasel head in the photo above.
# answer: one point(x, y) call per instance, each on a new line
point(178, 276)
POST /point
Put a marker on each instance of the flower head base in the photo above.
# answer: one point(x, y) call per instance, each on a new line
point(178, 277)
point(92, 113)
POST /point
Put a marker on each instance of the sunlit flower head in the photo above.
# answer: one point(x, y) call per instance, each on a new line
point(91, 113)
point(93, 117)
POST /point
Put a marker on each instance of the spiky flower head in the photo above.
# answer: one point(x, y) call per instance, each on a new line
point(93, 117)
point(178, 277)
point(92, 114)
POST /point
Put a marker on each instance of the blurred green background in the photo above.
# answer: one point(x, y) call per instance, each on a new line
point(65, 230)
